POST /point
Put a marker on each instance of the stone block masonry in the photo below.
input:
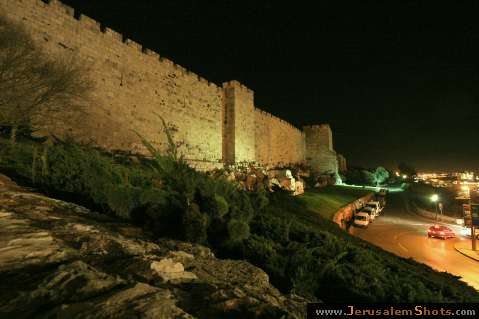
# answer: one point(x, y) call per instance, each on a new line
point(277, 142)
point(319, 149)
point(132, 85)
point(342, 164)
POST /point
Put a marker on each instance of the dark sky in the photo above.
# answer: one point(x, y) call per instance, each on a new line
point(396, 80)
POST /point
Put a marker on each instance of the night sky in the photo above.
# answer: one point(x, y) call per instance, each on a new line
point(397, 81)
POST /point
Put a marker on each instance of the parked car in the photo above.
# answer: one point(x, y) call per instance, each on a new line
point(376, 205)
point(371, 211)
point(440, 231)
point(361, 219)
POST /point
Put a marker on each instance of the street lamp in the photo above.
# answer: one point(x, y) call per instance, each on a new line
point(434, 199)
point(467, 190)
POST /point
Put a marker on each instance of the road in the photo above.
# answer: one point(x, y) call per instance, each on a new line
point(404, 233)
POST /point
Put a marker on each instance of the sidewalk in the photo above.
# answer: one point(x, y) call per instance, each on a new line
point(464, 247)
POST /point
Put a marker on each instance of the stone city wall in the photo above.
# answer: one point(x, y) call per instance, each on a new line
point(239, 123)
point(277, 141)
point(342, 164)
point(319, 149)
point(134, 86)
point(132, 83)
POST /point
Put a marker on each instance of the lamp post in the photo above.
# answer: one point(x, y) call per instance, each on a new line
point(434, 199)
point(473, 230)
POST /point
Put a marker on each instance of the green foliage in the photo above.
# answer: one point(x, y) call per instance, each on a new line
point(123, 199)
point(82, 172)
point(283, 235)
point(357, 176)
point(368, 177)
point(238, 230)
point(195, 224)
point(211, 210)
point(380, 175)
point(360, 176)
point(313, 257)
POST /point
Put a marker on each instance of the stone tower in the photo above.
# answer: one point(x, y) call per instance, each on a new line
point(239, 124)
point(320, 154)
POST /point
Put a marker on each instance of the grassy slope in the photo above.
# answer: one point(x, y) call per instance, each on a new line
point(326, 201)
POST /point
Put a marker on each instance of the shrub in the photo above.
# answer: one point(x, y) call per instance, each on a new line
point(195, 224)
point(238, 230)
point(298, 249)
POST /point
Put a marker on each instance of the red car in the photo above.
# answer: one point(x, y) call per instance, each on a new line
point(440, 231)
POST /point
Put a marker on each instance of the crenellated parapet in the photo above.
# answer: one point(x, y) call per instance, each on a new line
point(133, 83)
point(84, 23)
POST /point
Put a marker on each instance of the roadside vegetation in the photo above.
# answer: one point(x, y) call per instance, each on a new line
point(328, 200)
point(371, 177)
point(288, 237)
point(301, 250)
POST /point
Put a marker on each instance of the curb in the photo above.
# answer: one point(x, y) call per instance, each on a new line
point(467, 252)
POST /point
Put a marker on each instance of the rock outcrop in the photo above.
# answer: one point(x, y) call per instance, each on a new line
point(60, 260)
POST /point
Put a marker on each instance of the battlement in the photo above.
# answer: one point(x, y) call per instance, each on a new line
point(59, 6)
point(278, 119)
point(96, 27)
point(215, 123)
point(317, 127)
point(236, 84)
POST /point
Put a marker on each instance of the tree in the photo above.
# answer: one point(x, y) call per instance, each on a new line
point(32, 84)
point(369, 178)
point(359, 176)
point(354, 176)
point(380, 175)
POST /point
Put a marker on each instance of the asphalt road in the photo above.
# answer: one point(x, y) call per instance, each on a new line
point(405, 234)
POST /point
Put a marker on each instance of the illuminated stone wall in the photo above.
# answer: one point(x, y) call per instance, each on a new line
point(133, 85)
point(320, 154)
point(277, 141)
point(239, 125)
point(342, 164)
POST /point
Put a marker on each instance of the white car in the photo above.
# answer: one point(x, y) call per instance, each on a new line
point(361, 219)
point(371, 211)
point(376, 205)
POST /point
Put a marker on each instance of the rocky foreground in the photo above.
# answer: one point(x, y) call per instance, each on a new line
point(60, 260)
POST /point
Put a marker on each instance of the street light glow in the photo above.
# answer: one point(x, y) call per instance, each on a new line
point(404, 176)
point(434, 198)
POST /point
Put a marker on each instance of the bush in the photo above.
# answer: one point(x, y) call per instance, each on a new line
point(195, 224)
point(298, 249)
